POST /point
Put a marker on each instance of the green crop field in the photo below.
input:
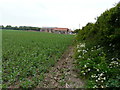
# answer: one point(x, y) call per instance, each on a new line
point(0, 58)
point(28, 55)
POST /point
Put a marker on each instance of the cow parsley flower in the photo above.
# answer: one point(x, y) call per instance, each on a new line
point(110, 44)
point(79, 56)
point(113, 45)
point(82, 45)
point(104, 78)
point(98, 46)
point(92, 76)
point(101, 74)
point(102, 87)
point(98, 70)
point(85, 65)
point(79, 50)
point(112, 59)
point(95, 86)
point(83, 73)
point(89, 69)
point(77, 46)
point(98, 78)
point(88, 58)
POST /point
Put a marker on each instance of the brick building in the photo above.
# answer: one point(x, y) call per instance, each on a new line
point(56, 30)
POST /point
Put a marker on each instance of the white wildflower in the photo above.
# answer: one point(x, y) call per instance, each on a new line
point(83, 73)
point(116, 62)
point(82, 45)
point(101, 74)
point(88, 58)
point(113, 45)
point(98, 46)
point(84, 51)
point(110, 44)
point(98, 78)
point(104, 78)
point(85, 65)
point(95, 86)
point(92, 76)
point(89, 69)
point(112, 59)
point(98, 70)
point(102, 87)
point(79, 56)
point(78, 46)
point(106, 85)
point(79, 50)
point(94, 46)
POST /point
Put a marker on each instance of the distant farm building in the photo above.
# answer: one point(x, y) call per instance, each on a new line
point(56, 30)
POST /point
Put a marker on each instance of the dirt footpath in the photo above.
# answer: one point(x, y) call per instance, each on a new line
point(62, 75)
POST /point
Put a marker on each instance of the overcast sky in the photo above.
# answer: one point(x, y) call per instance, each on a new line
point(52, 13)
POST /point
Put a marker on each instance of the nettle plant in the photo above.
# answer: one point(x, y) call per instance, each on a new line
point(92, 65)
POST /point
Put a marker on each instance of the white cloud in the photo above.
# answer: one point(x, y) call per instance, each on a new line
point(61, 13)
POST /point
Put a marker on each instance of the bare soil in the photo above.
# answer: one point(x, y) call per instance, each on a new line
point(62, 75)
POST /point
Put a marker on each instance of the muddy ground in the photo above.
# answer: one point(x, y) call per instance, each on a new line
point(62, 75)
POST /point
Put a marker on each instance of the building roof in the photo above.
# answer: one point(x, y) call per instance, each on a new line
point(61, 29)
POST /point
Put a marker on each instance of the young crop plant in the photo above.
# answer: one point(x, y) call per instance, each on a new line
point(27, 56)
